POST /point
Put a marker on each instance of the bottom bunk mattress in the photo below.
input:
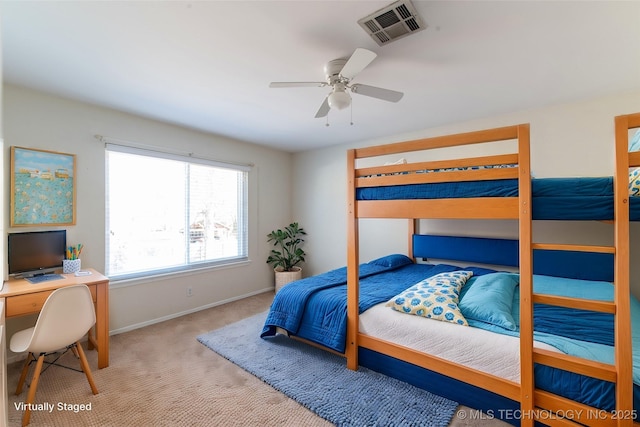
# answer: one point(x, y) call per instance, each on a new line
point(315, 309)
point(484, 351)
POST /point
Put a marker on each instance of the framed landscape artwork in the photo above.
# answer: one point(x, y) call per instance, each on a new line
point(43, 187)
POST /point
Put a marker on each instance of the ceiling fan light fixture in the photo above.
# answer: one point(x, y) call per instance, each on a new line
point(339, 76)
point(339, 99)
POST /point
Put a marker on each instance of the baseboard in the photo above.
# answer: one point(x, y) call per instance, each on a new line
point(184, 313)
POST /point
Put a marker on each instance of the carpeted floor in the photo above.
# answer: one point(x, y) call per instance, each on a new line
point(161, 376)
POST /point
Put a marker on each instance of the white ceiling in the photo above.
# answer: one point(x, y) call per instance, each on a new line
point(207, 64)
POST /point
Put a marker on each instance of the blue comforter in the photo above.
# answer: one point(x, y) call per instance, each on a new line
point(321, 317)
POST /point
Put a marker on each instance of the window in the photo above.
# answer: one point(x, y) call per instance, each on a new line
point(169, 213)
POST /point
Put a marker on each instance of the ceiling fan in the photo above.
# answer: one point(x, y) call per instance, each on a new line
point(339, 74)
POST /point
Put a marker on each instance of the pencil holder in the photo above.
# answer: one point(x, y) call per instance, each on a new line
point(70, 265)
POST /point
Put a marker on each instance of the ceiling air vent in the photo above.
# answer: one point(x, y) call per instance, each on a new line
point(390, 23)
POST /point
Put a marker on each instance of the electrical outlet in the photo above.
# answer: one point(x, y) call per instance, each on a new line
point(189, 291)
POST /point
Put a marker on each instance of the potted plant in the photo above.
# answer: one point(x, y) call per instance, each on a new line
point(287, 256)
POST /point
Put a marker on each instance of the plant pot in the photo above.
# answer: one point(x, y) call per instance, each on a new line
point(284, 277)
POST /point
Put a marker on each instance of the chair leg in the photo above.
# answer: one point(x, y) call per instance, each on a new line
point(23, 375)
point(85, 368)
point(32, 391)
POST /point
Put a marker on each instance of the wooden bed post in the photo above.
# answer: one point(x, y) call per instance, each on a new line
point(526, 270)
point(623, 342)
point(351, 349)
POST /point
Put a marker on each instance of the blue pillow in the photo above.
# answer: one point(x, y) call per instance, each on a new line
point(489, 299)
point(395, 260)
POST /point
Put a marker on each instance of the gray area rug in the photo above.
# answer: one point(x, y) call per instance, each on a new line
point(321, 382)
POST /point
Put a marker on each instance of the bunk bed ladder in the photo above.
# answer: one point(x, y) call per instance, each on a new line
point(621, 372)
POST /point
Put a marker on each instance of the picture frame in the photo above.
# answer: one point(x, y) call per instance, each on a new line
point(43, 187)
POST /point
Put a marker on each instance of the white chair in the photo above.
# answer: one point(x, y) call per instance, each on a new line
point(66, 316)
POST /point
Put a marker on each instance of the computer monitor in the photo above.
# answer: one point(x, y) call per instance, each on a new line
point(37, 252)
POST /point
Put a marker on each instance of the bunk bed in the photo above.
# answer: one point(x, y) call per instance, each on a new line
point(423, 191)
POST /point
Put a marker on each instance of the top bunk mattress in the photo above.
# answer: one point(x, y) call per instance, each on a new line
point(588, 198)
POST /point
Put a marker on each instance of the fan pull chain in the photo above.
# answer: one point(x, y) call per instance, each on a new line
point(327, 124)
point(351, 108)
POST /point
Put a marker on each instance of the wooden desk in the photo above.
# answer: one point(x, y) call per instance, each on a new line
point(22, 298)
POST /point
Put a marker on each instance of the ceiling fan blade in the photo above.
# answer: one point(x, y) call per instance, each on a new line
point(358, 61)
point(324, 109)
point(297, 84)
point(377, 92)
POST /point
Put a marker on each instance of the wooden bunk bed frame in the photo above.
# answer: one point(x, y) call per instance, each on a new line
point(531, 400)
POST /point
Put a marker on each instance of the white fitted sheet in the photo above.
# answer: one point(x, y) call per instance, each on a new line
point(475, 348)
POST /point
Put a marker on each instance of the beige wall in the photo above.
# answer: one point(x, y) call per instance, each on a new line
point(37, 120)
point(3, 177)
point(566, 140)
point(4, 409)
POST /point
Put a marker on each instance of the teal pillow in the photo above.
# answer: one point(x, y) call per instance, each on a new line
point(434, 298)
point(489, 299)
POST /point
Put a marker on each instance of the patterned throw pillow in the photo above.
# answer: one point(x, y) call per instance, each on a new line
point(434, 298)
point(634, 182)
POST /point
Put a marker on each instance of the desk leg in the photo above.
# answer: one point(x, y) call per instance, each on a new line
point(102, 324)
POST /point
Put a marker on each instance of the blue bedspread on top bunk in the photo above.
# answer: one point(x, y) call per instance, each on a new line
point(589, 198)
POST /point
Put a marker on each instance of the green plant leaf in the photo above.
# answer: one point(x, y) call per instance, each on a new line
point(288, 241)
